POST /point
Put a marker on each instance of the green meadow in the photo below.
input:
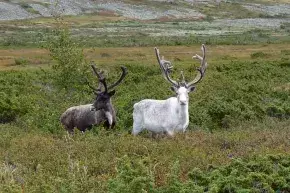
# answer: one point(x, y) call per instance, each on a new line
point(238, 138)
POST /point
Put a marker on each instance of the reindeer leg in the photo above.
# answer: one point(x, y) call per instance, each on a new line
point(69, 132)
point(113, 125)
point(83, 128)
point(170, 134)
point(70, 129)
point(154, 135)
point(137, 128)
point(90, 127)
point(138, 125)
point(107, 124)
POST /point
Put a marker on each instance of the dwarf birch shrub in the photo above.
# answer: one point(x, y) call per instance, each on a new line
point(13, 103)
point(132, 177)
point(9, 108)
point(269, 173)
point(69, 66)
point(230, 94)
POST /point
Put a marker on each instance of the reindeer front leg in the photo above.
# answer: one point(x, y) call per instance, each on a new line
point(111, 120)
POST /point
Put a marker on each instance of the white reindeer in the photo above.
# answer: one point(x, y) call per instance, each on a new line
point(171, 115)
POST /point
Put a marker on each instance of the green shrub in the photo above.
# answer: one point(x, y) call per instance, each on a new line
point(285, 52)
point(21, 61)
point(69, 67)
point(10, 108)
point(258, 55)
point(268, 173)
point(13, 99)
point(105, 55)
point(230, 93)
point(133, 177)
point(13, 41)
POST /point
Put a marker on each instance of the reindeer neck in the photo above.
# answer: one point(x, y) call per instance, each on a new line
point(183, 111)
point(183, 116)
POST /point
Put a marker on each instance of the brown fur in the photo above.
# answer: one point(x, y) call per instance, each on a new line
point(84, 117)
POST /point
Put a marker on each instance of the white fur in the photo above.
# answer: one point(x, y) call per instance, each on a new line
point(109, 117)
point(160, 116)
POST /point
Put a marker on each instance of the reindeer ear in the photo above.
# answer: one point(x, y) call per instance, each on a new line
point(111, 93)
point(173, 88)
point(191, 89)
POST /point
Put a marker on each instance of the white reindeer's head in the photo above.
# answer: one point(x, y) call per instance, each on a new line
point(182, 88)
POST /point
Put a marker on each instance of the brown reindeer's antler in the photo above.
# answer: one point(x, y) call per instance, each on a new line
point(102, 80)
point(96, 90)
point(124, 73)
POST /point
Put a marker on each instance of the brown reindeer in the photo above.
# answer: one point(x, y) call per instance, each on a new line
point(101, 111)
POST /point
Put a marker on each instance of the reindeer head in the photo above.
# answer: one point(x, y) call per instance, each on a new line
point(103, 97)
point(182, 88)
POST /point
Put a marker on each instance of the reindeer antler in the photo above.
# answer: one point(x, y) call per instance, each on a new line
point(96, 90)
point(182, 79)
point(166, 67)
point(124, 73)
point(101, 78)
point(200, 69)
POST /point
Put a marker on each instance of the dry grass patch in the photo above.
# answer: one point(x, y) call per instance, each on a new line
point(284, 87)
point(9, 57)
point(146, 55)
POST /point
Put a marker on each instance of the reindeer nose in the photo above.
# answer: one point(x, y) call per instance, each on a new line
point(183, 102)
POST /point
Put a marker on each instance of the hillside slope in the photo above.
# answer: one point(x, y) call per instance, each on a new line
point(140, 10)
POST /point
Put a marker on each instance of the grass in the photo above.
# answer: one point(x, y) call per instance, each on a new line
point(239, 111)
point(238, 136)
point(30, 37)
point(114, 56)
point(85, 162)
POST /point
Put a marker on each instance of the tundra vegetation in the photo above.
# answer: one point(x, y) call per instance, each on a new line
point(238, 134)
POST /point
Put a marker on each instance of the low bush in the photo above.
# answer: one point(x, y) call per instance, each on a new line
point(14, 102)
point(21, 61)
point(258, 55)
point(258, 174)
point(114, 161)
point(69, 67)
point(229, 94)
point(10, 108)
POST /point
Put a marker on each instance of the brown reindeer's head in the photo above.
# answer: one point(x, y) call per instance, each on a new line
point(182, 88)
point(103, 97)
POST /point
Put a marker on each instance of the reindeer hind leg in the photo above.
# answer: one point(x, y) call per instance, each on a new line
point(70, 129)
point(137, 124)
